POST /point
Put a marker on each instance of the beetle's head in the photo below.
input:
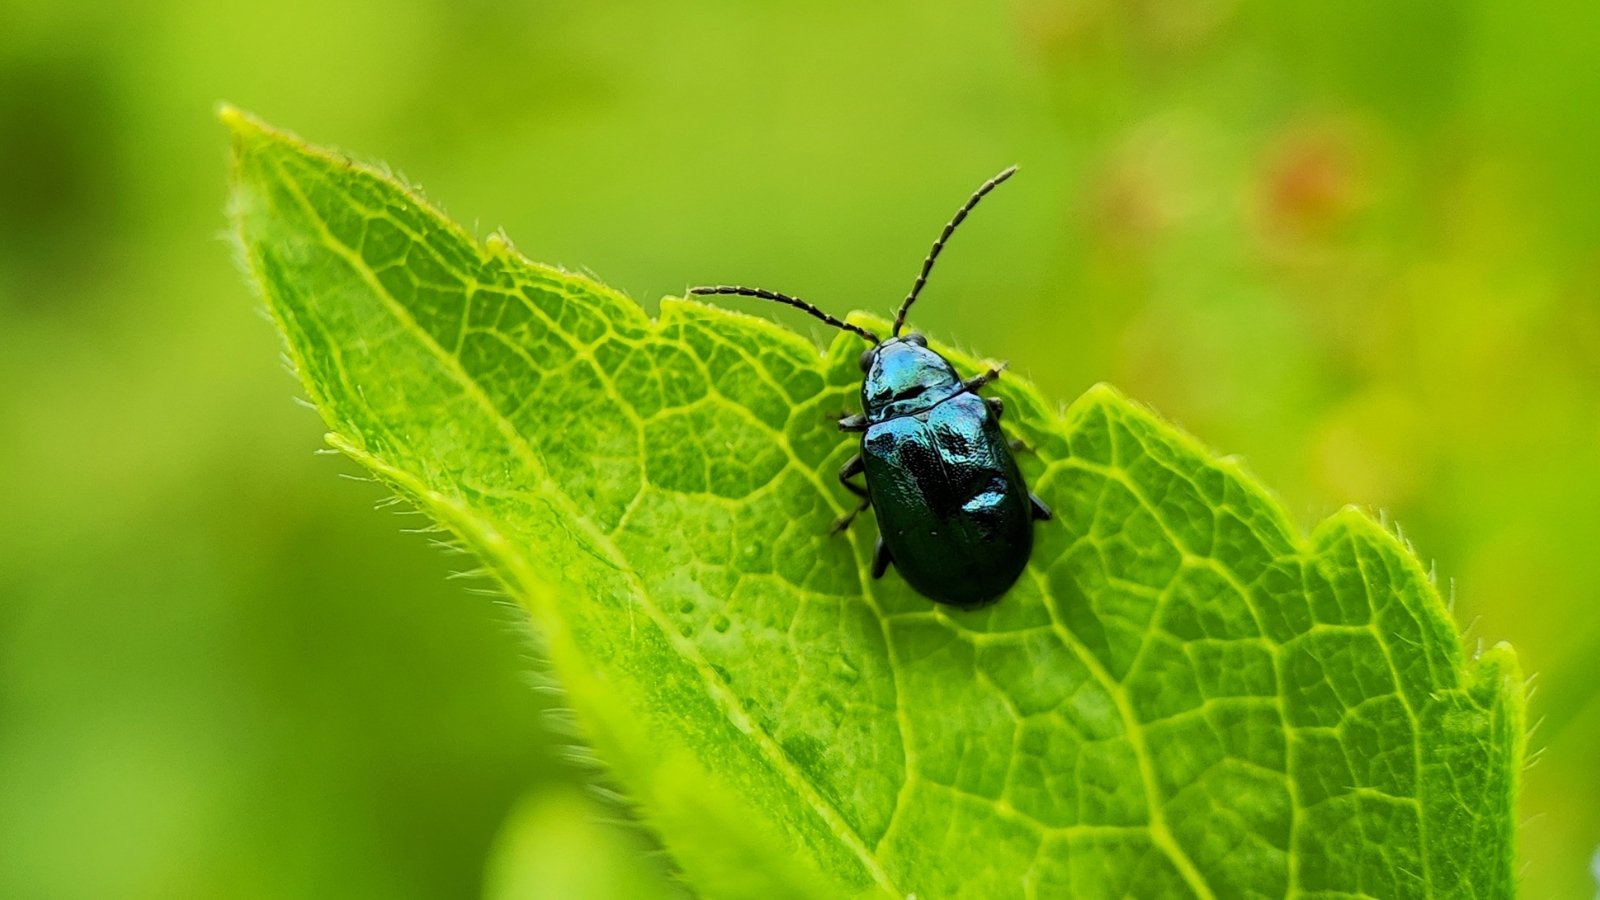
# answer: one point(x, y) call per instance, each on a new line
point(902, 368)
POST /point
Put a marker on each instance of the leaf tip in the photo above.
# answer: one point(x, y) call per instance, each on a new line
point(1355, 522)
point(1101, 395)
point(249, 135)
point(242, 124)
point(250, 132)
point(1102, 400)
point(1358, 524)
point(1102, 392)
point(498, 245)
point(1498, 672)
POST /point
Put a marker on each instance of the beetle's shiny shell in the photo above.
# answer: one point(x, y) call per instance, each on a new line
point(950, 502)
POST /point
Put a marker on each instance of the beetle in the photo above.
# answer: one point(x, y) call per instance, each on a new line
point(954, 515)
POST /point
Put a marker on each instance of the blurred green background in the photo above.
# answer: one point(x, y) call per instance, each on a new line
point(1356, 243)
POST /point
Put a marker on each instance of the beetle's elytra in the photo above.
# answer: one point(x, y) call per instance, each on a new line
point(954, 515)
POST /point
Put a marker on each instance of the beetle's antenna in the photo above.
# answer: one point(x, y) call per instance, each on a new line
point(938, 245)
point(786, 300)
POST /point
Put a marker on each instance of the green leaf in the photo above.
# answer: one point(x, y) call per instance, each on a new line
point(1182, 697)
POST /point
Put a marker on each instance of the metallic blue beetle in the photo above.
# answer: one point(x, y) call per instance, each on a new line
point(954, 515)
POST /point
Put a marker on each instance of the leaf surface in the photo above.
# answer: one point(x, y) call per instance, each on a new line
point(1182, 697)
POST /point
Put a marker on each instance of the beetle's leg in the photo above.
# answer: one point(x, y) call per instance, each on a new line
point(853, 423)
point(998, 406)
point(844, 521)
point(1040, 511)
point(972, 384)
point(851, 469)
point(880, 558)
